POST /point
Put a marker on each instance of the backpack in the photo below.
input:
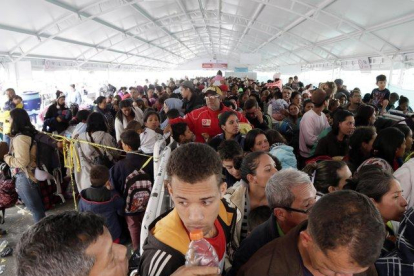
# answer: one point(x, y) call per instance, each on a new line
point(8, 194)
point(137, 191)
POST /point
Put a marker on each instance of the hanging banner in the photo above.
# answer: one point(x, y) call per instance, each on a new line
point(214, 65)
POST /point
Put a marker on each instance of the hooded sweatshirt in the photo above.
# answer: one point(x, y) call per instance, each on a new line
point(88, 153)
point(173, 103)
point(285, 155)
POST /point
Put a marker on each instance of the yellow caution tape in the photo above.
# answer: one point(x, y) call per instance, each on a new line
point(71, 158)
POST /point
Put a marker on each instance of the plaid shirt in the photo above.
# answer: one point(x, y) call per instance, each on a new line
point(400, 262)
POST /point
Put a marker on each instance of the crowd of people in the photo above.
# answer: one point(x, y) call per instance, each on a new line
point(282, 180)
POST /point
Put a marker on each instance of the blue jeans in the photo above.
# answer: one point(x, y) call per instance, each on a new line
point(29, 192)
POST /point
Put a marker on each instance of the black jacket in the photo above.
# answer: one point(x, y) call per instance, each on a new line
point(261, 235)
point(51, 123)
point(195, 102)
point(331, 146)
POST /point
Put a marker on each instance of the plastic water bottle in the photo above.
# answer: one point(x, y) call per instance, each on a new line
point(200, 252)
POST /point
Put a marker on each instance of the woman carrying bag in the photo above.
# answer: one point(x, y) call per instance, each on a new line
point(22, 161)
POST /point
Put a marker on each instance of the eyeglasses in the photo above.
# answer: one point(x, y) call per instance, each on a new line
point(297, 210)
point(212, 97)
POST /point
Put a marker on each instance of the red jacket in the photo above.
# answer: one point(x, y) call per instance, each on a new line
point(205, 120)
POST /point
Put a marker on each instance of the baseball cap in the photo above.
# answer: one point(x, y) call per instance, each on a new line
point(213, 90)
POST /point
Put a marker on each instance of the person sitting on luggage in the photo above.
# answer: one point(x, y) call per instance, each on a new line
point(123, 169)
point(102, 200)
point(197, 195)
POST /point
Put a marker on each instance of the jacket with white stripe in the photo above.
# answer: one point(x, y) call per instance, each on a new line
point(167, 242)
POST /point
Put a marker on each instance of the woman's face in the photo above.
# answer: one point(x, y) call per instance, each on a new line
point(293, 110)
point(409, 141)
point(102, 105)
point(392, 205)
point(297, 100)
point(232, 125)
point(261, 143)
point(372, 119)
point(165, 107)
point(347, 127)
point(126, 111)
point(399, 153)
point(116, 107)
point(264, 171)
point(234, 102)
point(367, 147)
point(344, 174)
point(152, 122)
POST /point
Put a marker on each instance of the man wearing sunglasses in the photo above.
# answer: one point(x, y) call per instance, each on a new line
point(204, 122)
point(291, 195)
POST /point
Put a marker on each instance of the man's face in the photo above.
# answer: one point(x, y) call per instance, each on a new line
point(251, 113)
point(110, 258)
point(356, 98)
point(334, 262)
point(197, 204)
point(305, 198)
point(188, 136)
point(213, 101)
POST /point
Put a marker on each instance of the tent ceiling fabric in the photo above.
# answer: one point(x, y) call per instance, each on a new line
point(166, 34)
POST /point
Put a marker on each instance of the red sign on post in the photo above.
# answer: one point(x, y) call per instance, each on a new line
point(214, 65)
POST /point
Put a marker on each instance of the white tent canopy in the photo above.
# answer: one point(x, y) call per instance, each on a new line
point(164, 35)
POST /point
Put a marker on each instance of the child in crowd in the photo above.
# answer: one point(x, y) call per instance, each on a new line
point(130, 140)
point(18, 101)
point(151, 133)
point(257, 216)
point(135, 126)
point(101, 199)
point(380, 96)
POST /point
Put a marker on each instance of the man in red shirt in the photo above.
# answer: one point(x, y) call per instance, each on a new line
point(204, 122)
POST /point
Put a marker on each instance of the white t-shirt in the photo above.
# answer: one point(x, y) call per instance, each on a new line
point(311, 126)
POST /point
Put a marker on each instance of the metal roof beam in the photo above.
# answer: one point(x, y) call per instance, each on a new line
point(159, 25)
point(30, 33)
point(108, 25)
point(181, 5)
point(256, 14)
